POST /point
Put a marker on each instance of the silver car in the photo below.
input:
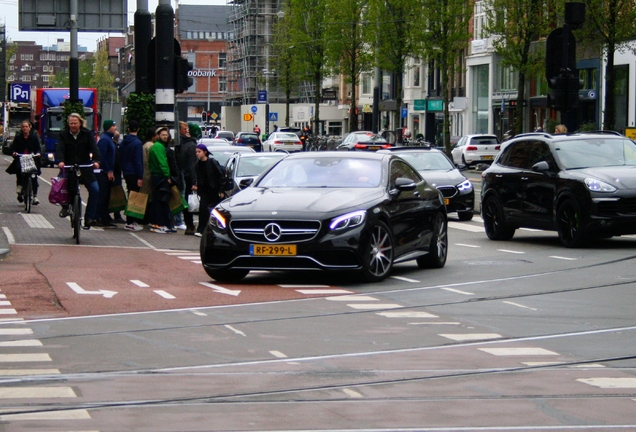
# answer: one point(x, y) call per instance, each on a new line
point(474, 149)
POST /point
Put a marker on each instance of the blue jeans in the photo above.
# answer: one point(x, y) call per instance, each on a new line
point(93, 201)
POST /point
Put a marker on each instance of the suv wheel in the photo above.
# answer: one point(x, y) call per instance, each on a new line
point(569, 224)
point(494, 222)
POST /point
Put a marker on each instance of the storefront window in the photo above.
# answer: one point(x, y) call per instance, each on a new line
point(481, 97)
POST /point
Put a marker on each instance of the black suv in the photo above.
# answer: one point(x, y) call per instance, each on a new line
point(581, 185)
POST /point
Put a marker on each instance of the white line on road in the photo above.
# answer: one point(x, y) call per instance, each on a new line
point(466, 227)
point(17, 372)
point(238, 332)
point(139, 283)
point(510, 251)
point(518, 351)
point(467, 245)
point(470, 336)
point(278, 354)
point(404, 279)
point(164, 294)
point(48, 415)
point(323, 291)
point(8, 312)
point(199, 313)
point(18, 331)
point(5, 303)
point(519, 305)
point(221, 290)
point(562, 258)
point(36, 392)
point(625, 383)
point(183, 253)
point(17, 358)
point(352, 393)
point(302, 286)
point(36, 221)
point(406, 314)
point(150, 245)
point(436, 323)
point(374, 306)
point(9, 235)
point(351, 298)
point(458, 291)
point(21, 343)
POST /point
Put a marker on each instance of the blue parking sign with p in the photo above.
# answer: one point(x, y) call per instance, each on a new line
point(20, 92)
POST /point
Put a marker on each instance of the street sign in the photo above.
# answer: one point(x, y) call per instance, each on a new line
point(262, 96)
point(248, 117)
point(214, 116)
point(405, 112)
point(20, 92)
point(254, 109)
point(273, 116)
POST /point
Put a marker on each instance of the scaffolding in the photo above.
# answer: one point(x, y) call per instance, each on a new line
point(251, 26)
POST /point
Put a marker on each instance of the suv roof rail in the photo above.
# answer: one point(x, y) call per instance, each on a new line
point(527, 134)
point(608, 132)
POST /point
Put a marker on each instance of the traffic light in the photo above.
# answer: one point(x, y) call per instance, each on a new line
point(182, 81)
point(564, 94)
point(204, 116)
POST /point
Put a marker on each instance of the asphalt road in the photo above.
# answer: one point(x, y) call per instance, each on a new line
point(126, 332)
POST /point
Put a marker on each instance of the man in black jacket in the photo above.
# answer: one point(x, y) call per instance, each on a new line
point(76, 146)
point(26, 142)
point(188, 160)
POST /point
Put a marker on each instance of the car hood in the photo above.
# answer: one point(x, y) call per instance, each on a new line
point(622, 177)
point(443, 178)
point(263, 202)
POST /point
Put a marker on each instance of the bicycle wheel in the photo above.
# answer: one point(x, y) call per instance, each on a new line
point(77, 218)
point(27, 192)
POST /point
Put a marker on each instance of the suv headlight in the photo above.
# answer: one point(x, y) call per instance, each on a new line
point(217, 219)
point(465, 186)
point(348, 220)
point(598, 186)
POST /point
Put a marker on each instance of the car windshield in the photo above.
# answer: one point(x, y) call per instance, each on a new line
point(254, 166)
point(223, 155)
point(286, 135)
point(324, 172)
point(427, 161)
point(596, 152)
point(484, 140)
point(376, 139)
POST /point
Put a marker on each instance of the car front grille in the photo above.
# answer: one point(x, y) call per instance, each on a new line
point(622, 206)
point(447, 191)
point(274, 231)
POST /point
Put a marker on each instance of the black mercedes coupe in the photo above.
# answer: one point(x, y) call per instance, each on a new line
point(334, 211)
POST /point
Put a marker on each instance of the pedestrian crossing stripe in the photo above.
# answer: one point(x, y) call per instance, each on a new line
point(36, 392)
point(79, 414)
point(518, 351)
point(607, 383)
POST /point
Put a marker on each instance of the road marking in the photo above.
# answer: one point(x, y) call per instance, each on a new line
point(470, 336)
point(303, 286)
point(9, 235)
point(541, 363)
point(458, 291)
point(351, 393)
point(79, 290)
point(370, 306)
point(519, 305)
point(189, 257)
point(5, 303)
point(3, 296)
point(467, 245)
point(510, 251)
point(17, 331)
point(323, 291)
point(435, 323)
point(587, 365)
point(238, 332)
point(183, 253)
point(21, 343)
point(221, 290)
point(164, 294)
point(48, 415)
point(478, 219)
point(36, 221)
point(407, 314)
point(351, 298)
point(278, 354)
point(11, 372)
point(140, 284)
point(173, 251)
point(616, 383)
point(466, 227)
point(199, 313)
point(404, 279)
point(562, 258)
point(148, 244)
point(196, 262)
point(16, 358)
point(36, 392)
point(518, 351)
point(8, 312)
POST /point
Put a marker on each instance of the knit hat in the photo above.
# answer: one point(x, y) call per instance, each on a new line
point(159, 129)
point(108, 124)
point(204, 148)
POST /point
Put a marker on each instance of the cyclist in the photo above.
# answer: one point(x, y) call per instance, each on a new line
point(26, 142)
point(76, 146)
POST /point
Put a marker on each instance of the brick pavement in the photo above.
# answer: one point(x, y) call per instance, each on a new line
point(44, 226)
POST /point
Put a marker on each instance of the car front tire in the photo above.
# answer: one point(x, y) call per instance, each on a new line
point(438, 249)
point(378, 255)
point(494, 221)
point(226, 275)
point(570, 224)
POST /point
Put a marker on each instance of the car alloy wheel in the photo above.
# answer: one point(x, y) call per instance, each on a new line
point(438, 249)
point(378, 256)
point(569, 224)
point(494, 222)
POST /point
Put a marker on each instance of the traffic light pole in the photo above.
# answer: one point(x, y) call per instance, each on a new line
point(164, 65)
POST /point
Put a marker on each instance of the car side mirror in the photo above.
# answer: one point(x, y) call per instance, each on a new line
point(403, 184)
point(245, 183)
point(541, 167)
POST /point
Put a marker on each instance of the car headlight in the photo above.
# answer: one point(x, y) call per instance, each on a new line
point(598, 186)
point(465, 186)
point(217, 219)
point(348, 220)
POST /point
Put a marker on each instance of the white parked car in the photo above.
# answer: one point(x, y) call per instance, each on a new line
point(474, 149)
point(287, 141)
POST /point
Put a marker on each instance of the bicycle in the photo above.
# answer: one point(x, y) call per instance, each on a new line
point(75, 207)
point(28, 173)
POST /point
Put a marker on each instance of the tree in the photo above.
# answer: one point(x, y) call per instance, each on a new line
point(612, 23)
point(445, 38)
point(285, 62)
point(398, 27)
point(307, 21)
point(61, 77)
point(348, 51)
point(517, 25)
point(102, 79)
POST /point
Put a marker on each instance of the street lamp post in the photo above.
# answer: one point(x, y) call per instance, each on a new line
point(209, 66)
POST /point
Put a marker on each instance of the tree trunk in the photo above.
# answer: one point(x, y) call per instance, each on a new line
point(521, 96)
point(317, 94)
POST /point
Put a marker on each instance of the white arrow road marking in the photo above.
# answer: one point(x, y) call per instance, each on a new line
point(221, 289)
point(79, 290)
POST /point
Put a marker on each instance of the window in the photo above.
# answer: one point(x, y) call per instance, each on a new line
point(47, 56)
point(508, 78)
point(479, 20)
point(25, 78)
point(26, 56)
point(366, 84)
point(11, 78)
point(222, 60)
point(416, 76)
point(516, 155)
point(188, 35)
point(46, 78)
point(222, 84)
point(25, 68)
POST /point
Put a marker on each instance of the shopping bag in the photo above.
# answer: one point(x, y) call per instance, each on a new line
point(136, 206)
point(117, 199)
point(177, 203)
point(59, 191)
point(27, 164)
point(193, 203)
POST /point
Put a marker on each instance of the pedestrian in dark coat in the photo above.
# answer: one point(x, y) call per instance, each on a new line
point(132, 165)
point(209, 187)
point(106, 176)
point(188, 161)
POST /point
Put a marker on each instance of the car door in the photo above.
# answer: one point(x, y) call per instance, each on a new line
point(508, 177)
point(457, 151)
point(538, 189)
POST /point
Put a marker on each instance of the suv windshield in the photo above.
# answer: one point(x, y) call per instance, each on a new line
point(596, 152)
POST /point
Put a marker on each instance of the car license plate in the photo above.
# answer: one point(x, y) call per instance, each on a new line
point(487, 157)
point(446, 201)
point(273, 250)
point(374, 147)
